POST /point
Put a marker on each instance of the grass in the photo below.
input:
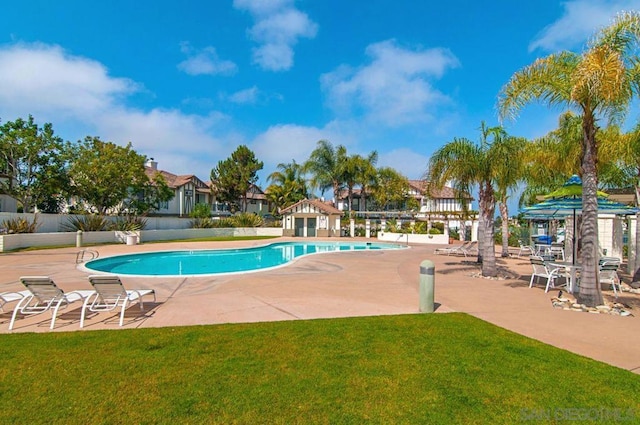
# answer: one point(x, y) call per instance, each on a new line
point(440, 368)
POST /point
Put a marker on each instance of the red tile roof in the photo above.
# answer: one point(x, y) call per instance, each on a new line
point(316, 203)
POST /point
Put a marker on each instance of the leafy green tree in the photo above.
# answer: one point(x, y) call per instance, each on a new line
point(233, 177)
point(104, 175)
point(32, 165)
point(600, 83)
point(326, 166)
point(149, 195)
point(287, 187)
point(390, 188)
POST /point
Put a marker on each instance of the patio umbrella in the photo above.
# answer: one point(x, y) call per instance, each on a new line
point(567, 201)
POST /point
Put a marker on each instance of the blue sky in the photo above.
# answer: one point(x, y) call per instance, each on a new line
point(187, 82)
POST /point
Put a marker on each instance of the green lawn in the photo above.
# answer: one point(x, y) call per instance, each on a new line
point(438, 368)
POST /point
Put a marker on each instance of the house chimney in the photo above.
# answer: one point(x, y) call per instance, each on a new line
point(152, 164)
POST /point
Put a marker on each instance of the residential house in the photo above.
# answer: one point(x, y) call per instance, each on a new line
point(439, 202)
point(188, 189)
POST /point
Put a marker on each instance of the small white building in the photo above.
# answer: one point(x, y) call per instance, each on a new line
point(311, 218)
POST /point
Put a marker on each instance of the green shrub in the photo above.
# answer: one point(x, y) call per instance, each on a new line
point(129, 223)
point(202, 223)
point(435, 231)
point(86, 223)
point(246, 220)
point(20, 225)
point(201, 211)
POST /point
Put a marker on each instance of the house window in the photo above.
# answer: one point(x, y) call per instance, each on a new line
point(253, 201)
point(164, 205)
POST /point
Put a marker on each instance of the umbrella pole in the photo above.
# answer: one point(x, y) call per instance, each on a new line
point(575, 246)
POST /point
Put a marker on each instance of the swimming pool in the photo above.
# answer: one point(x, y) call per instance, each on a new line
point(217, 261)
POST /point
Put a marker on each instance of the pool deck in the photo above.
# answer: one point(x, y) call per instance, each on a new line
point(341, 284)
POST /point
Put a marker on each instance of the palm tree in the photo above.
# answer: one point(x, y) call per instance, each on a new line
point(326, 165)
point(600, 82)
point(466, 163)
point(288, 185)
point(367, 175)
point(491, 165)
point(359, 171)
point(508, 165)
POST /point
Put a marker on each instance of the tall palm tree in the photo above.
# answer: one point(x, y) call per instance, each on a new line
point(600, 82)
point(508, 165)
point(326, 166)
point(288, 185)
point(367, 173)
point(466, 164)
point(359, 171)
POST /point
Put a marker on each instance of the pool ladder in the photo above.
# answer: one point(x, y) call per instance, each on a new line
point(80, 257)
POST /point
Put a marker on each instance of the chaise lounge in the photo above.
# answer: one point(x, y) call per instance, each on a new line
point(110, 294)
point(44, 295)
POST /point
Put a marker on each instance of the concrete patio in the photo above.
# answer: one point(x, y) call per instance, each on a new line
point(341, 284)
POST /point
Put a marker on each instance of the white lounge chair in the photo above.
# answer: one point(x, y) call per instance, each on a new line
point(110, 294)
point(8, 297)
point(453, 250)
point(471, 249)
point(43, 295)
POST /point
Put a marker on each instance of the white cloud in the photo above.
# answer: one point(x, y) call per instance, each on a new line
point(205, 61)
point(246, 96)
point(278, 26)
point(581, 18)
point(394, 88)
point(79, 94)
point(36, 78)
point(411, 164)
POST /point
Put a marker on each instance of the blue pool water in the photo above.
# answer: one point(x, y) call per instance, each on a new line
point(202, 262)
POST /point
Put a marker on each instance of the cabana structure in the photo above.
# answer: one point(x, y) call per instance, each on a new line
point(311, 218)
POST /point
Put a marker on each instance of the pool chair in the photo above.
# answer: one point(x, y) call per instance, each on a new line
point(453, 250)
point(110, 294)
point(9, 297)
point(44, 295)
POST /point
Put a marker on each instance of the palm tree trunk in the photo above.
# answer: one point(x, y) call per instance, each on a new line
point(487, 210)
point(590, 292)
point(504, 214)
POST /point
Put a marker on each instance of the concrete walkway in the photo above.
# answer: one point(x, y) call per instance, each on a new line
point(342, 284)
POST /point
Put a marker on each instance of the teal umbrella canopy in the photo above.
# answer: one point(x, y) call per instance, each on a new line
point(567, 200)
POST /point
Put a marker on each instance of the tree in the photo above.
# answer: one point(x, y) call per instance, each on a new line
point(149, 196)
point(233, 177)
point(33, 169)
point(508, 168)
point(326, 165)
point(104, 174)
point(288, 185)
point(466, 163)
point(599, 82)
point(367, 175)
point(390, 187)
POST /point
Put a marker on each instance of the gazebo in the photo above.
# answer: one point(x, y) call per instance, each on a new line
point(311, 218)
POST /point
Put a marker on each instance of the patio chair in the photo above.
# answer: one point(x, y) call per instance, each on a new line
point(525, 249)
point(8, 297)
point(542, 270)
point(557, 250)
point(609, 274)
point(110, 294)
point(471, 249)
point(453, 250)
point(44, 295)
